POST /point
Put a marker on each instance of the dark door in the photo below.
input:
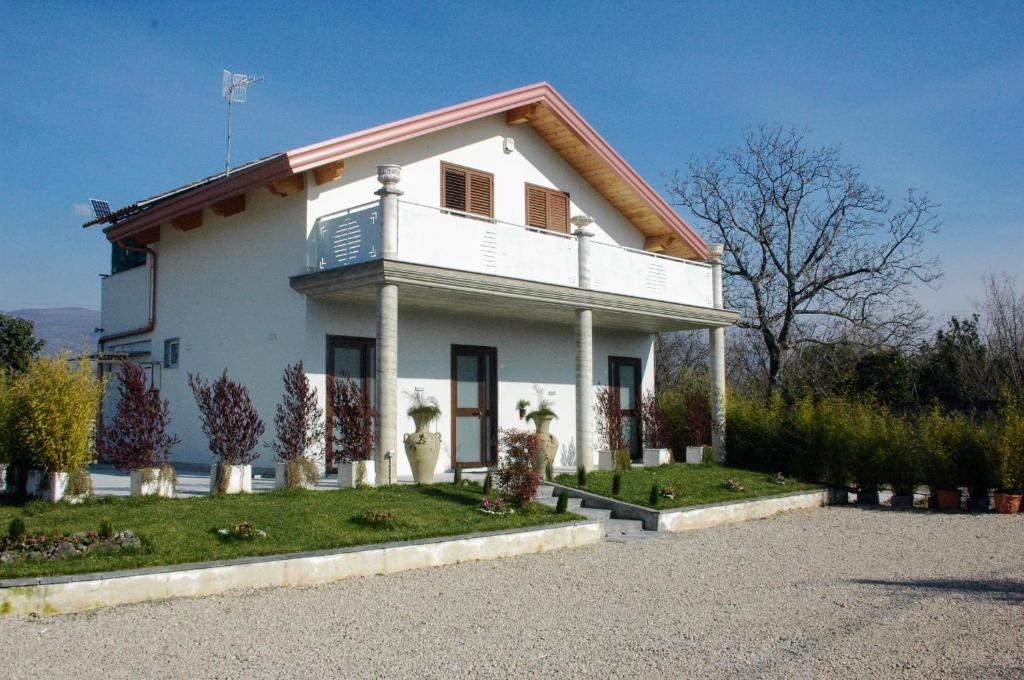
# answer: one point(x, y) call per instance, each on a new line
point(352, 358)
point(624, 378)
point(474, 400)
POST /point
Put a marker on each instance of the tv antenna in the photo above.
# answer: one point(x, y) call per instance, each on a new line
point(233, 87)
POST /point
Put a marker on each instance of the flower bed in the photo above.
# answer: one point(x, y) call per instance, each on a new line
point(32, 547)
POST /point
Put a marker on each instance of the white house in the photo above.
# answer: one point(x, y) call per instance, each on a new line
point(472, 253)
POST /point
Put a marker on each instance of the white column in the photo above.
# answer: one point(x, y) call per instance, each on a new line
point(584, 352)
point(386, 462)
point(716, 347)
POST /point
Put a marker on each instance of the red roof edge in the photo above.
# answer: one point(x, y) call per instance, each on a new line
point(315, 155)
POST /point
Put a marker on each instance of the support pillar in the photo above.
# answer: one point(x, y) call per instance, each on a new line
point(386, 461)
point(584, 352)
point(716, 347)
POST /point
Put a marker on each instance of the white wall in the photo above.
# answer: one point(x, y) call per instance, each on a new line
point(528, 354)
point(124, 300)
point(477, 145)
point(223, 290)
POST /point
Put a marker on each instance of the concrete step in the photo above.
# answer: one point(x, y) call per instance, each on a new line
point(551, 502)
point(626, 531)
point(594, 513)
point(545, 491)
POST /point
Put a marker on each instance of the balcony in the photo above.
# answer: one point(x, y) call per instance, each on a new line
point(124, 300)
point(456, 241)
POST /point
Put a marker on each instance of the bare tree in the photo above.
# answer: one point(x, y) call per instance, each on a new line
point(1003, 309)
point(812, 251)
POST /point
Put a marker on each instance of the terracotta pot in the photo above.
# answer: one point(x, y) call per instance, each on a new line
point(1007, 503)
point(948, 499)
point(547, 443)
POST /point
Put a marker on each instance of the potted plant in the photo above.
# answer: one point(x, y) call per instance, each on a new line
point(232, 427)
point(975, 462)
point(355, 433)
point(698, 423)
point(655, 430)
point(58, 404)
point(521, 406)
point(902, 464)
point(546, 443)
point(610, 428)
point(299, 442)
point(136, 439)
point(422, 445)
point(867, 453)
point(1010, 451)
point(939, 438)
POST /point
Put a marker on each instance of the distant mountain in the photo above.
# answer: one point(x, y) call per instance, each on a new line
point(63, 327)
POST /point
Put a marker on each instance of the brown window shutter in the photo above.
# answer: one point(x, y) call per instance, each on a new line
point(558, 212)
point(454, 182)
point(547, 208)
point(481, 193)
point(536, 207)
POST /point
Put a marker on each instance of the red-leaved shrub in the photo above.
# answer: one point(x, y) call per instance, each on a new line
point(516, 475)
point(657, 433)
point(610, 419)
point(355, 421)
point(299, 419)
point(230, 421)
point(137, 435)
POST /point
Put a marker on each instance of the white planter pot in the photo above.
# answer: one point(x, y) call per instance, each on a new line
point(656, 457)
point(154, 487)
point(694, 454)
point(281, 477)
point(52, 487)
point(239, 479)
point(348, 475)
point(605, 460)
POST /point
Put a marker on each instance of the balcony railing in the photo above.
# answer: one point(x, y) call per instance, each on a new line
point(456, 240)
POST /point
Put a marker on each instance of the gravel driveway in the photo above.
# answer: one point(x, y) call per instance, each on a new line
point(817, 593)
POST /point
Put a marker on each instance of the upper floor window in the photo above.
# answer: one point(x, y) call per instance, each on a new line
point(547, 208)
point(466, 189)
point(122, 259)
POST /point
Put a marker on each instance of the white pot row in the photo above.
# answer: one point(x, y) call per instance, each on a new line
point(652, 457)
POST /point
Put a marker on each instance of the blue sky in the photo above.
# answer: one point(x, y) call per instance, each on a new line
point(120, 101)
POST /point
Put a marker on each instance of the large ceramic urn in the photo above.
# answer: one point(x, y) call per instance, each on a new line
point(422, 447)
point(547, 443)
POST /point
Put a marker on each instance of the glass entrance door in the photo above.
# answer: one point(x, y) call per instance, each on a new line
point(474, 412)
point(624, 379)
point(355, 359)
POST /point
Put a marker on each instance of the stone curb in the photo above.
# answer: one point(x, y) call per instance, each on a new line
point(81, 592)
point(705, 515)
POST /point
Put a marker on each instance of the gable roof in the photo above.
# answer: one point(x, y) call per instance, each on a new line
point(540, 105)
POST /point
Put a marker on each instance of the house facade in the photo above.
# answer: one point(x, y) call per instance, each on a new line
point(482, 254)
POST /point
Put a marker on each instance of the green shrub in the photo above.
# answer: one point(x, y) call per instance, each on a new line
point(60, 404)
point(753, 434)
point(621, 459)
point(581, 475)
point(106, 530)
point(488, 483)
point(653, 497)
point(563, 502)
point(616, 482)
point(16, 529)
point(903, 457)
point(457, 479)
point(1009, 447)
point(937, 434)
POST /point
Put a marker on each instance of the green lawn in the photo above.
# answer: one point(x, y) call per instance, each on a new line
point(175, 531)
point(694, 484)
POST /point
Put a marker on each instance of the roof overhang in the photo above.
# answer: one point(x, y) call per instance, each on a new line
point(539, 105)
point(487, 295)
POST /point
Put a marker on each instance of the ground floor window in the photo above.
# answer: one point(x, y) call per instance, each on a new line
point(353, 358)
point(624, 378)
point(474, 388)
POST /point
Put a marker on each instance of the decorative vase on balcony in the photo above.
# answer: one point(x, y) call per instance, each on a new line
point(422, 446)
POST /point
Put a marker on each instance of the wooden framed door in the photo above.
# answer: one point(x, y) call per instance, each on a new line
point(354, 358)
point(624, 379)
point(474, 412)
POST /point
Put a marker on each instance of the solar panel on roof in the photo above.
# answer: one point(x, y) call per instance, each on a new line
point(100, 208)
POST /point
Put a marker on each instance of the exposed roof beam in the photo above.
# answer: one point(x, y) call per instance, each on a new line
point(287, 186)
point(188, 221)
point(329, 172)
point(520, 114)
point(229, 206)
